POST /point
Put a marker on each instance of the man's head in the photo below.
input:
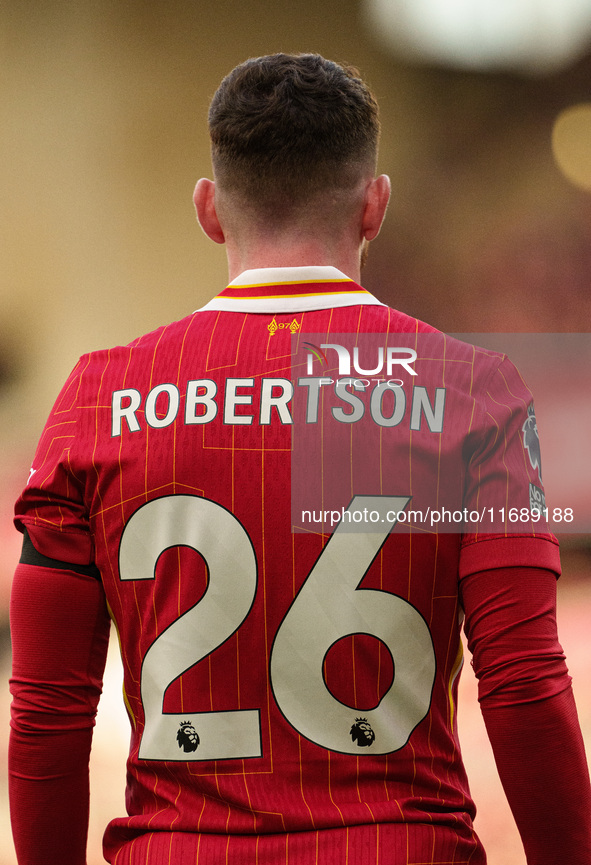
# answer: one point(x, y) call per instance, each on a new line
point(294, 150)
point(288, 129)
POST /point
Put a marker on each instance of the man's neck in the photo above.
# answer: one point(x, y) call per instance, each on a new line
point(296, 255)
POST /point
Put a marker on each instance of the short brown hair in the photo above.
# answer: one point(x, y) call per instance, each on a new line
point(285, 127)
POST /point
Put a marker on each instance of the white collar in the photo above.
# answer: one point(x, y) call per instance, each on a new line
point(290, 289)
point(276, 275)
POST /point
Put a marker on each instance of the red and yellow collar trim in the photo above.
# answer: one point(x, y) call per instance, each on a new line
point(290, 289)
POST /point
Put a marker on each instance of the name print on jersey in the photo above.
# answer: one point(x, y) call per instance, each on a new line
point(244, 401)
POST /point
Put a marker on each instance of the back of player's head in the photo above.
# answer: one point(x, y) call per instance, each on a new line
point(288, 128)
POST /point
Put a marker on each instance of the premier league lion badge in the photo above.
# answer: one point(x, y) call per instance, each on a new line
point(187, 737)
point(361, 733)
point(531, 440)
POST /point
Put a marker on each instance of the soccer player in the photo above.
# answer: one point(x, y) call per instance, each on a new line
point(255, 496)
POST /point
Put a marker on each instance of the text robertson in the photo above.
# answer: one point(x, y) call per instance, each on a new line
point(243, 402)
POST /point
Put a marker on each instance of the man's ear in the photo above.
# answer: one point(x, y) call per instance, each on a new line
point(377, 196)
point(204, 201)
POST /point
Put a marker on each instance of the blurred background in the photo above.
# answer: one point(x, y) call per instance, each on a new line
point(486, 112)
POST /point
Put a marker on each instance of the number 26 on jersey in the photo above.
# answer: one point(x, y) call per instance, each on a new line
point(329, 606)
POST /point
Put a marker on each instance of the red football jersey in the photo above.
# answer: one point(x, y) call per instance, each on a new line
point(276, 520)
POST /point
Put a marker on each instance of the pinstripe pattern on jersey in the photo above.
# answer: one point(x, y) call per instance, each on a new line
point(360, 845)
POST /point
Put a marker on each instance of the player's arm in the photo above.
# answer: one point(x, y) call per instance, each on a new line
point(60, 628)
point(529, 710)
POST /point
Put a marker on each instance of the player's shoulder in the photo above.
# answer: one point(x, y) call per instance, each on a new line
point(462, 346)
point(103, 370)
point(466, 366)
point(163, 337)
point(391, 320)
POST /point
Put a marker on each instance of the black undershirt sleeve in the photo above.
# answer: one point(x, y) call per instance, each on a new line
point(31, 556)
